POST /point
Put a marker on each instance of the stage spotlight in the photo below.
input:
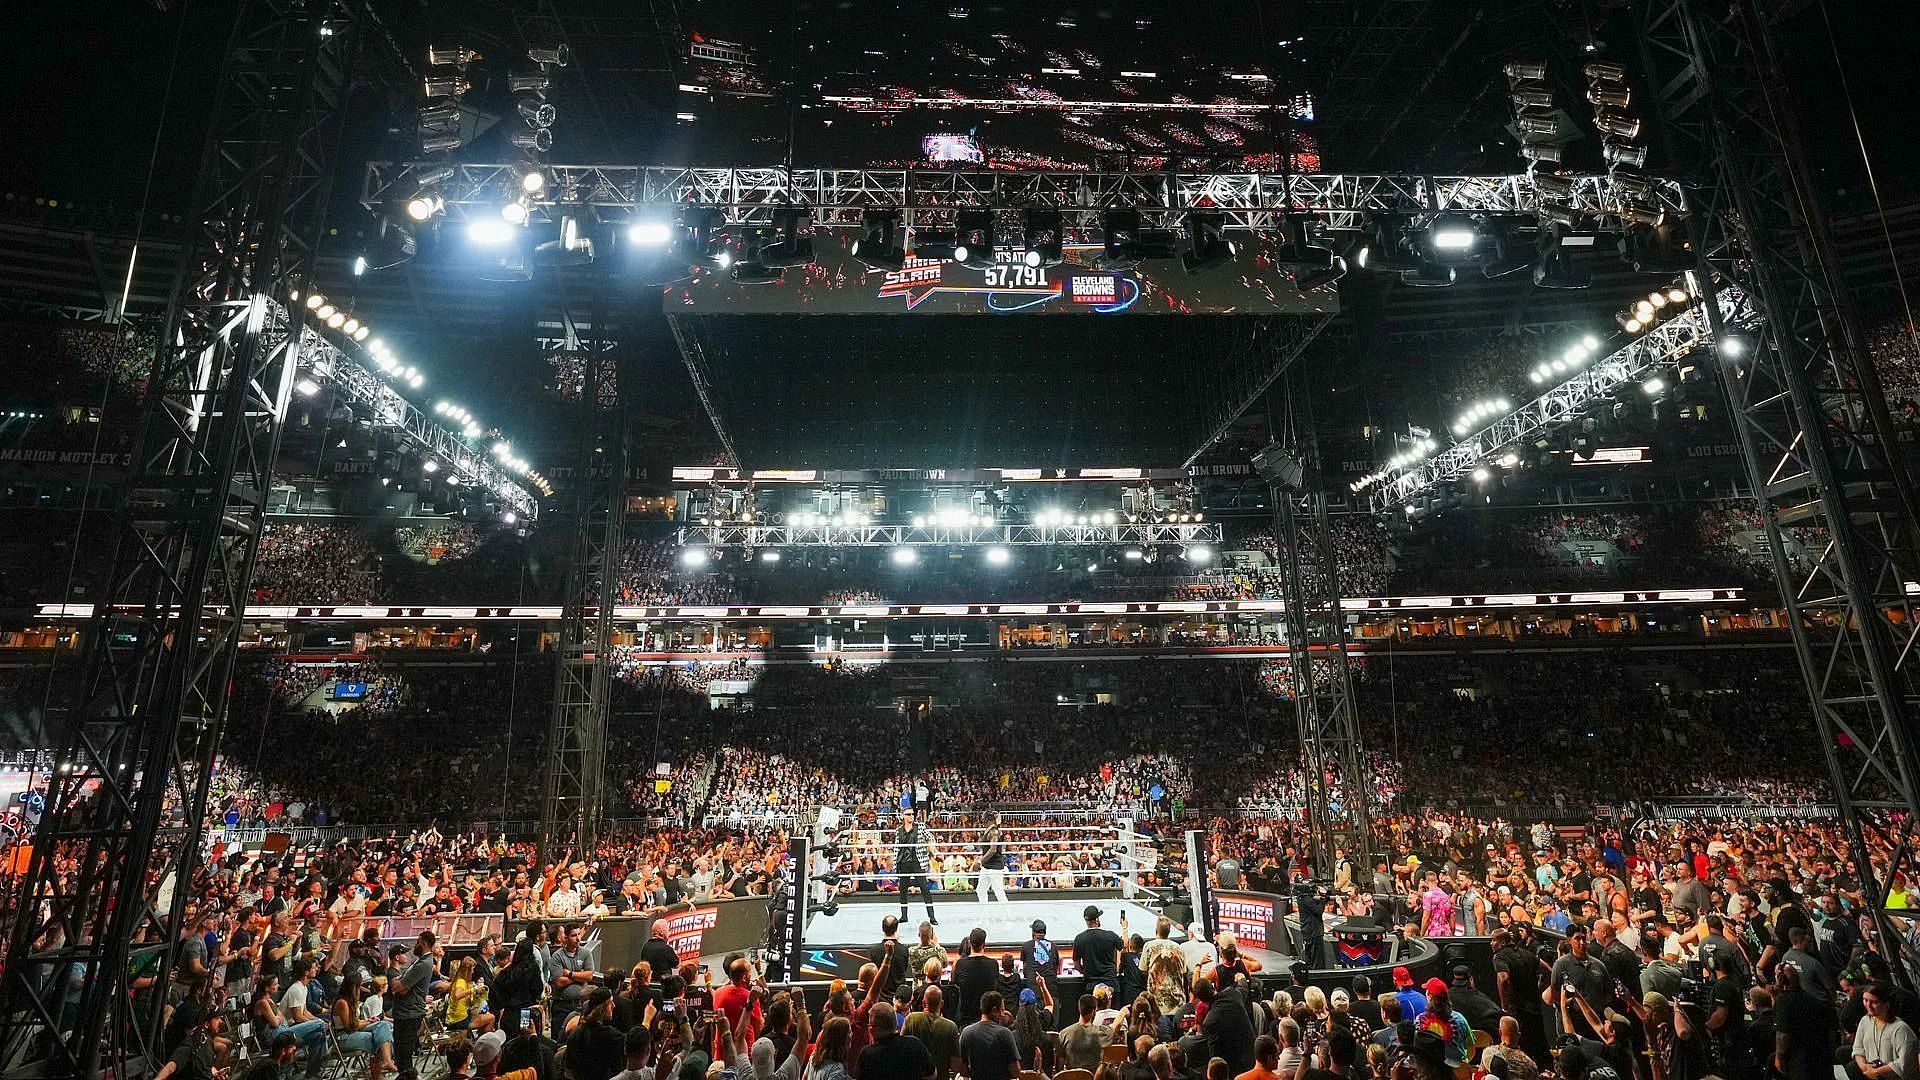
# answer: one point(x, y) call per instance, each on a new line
point(551, 55)
point(1207, 243)
point(447, 86)
point(1126, 243)
point(530, 178)
point(1387, 245)
point(702, 236)
point(769, 556)
point(394, 245)
point(537, 140)
point(536, 111)
point(336, 320)
point(649, 233)
point(879, 242)
point(934, 244)
point(973, 239)
point(1733, 346)
point(514, 212)
point(999, 556)
point(424, 205)
point(1619, 152)
point(1510, 257)
point(1453, 238)
point(694, 556)
point(528, 84)
point(489, 232)
point(788, 248)
point(1428, 276)
point(323, 310)
point(1554, 268)
point(1199, 554)
point(1654, 387)
point(451, 55)
point(1045, 238)
point(1616, 122)
point(1314, 279)
point(904, 556)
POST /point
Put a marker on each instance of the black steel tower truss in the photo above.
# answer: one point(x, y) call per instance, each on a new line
point(573, 798)
point(1331, 755)
point(118, 844)
point(1811, 416)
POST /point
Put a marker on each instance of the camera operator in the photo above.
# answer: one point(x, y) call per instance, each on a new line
point(1675, 1042)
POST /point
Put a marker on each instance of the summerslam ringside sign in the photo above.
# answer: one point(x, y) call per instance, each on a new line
point(836, 283)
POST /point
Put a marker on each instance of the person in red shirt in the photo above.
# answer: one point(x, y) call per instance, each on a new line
point(738, 1001)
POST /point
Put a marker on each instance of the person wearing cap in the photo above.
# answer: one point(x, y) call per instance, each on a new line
point(1578, 971)
point(1362, 1006)
point(1427, 1054)
point(1412, 1001)
point(1441, 1018)
point(595, 1051)
point(1040, 958)
point(1482, 1012)
point(1674, 1039)
point(1096, 951)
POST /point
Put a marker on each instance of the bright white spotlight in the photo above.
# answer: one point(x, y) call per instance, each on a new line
point(769, 556)
point(723, 260)
point(430, 466)
point(513, 213)
point(1481, 475)
point(1733, 346)
point(999, 556)
point(1200, 554)
point(361, 334)
point(416, 380)
point(1590, 343)
point(1654, 385)
point(1135, 554)
point(650, 233)
point(694, 556)
point(307, 387)
point(359, 265)
point(1453, 238)
point(510, 517)
point(488, 232)
point(904, 556)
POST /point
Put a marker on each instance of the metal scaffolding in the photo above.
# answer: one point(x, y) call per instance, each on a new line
point(1331, 756)
point(119, 842)
point(573, 800)
point(838, 197)
point(1811, 417)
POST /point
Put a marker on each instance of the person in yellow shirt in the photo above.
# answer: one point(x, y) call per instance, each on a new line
point(460, 996)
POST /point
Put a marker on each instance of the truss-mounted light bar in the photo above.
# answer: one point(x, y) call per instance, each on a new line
point(1570, 400)
point(362, 388)
point(855, 536)
point(839, 197)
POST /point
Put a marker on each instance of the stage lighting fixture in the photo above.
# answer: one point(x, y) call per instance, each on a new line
point(649, 233)
point(1537, 152)
point(1126, 243)
point(489, 232)
point(1482, 474)
point(1452, 236)
point(424, 205)
point(788, 248)
point(1554, 268)
point(1199, 555)
point(536, 111)
point(1617, 152)
point(1616, 122)
point(1654, 386)
point(451, 55)
point(551, 55)
point(1733, 346)
point(441, 142)
point(336, 320)
point(325, 311)
point(769, 556)
point(1536, 124)
point(1603, 71)
point(1387, 243)
point(1134, 554)
point(529, 178)
point(1510, 256)
point(1659, 249)
point(1428, 276)
point(973, 239)
point(1677, 295)
point(1045, 238)
point(528, 84)
point(1553, 185)
point(538, 140)
point(879, 242)
point(514, 212)
point(1327, 275)
point(445, 86)
point(307, 387)
point(904, 556)
point(933, 244)
point(1207, 243)
point(999, 556)
point(1531, 94)
point(1526, 70)
point(361, 334)
point(694, 556)
point(1609, 94)
point(394, 245)
point(439, 116)
point(350, 326)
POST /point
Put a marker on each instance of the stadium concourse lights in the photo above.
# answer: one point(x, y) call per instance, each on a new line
point(1479, 411)
point(1573, 359)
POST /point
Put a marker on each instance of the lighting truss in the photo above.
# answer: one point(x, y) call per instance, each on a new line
point(854, 536)
point(370, 392)
point(838, 197)
point(1570, 400)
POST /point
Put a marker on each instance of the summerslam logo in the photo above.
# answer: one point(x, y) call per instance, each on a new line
point(1008, 286)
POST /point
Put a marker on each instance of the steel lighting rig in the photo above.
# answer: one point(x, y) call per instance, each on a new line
point(366, 390)
point(839, 197)
point(744, 535)
point(1570, 400)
